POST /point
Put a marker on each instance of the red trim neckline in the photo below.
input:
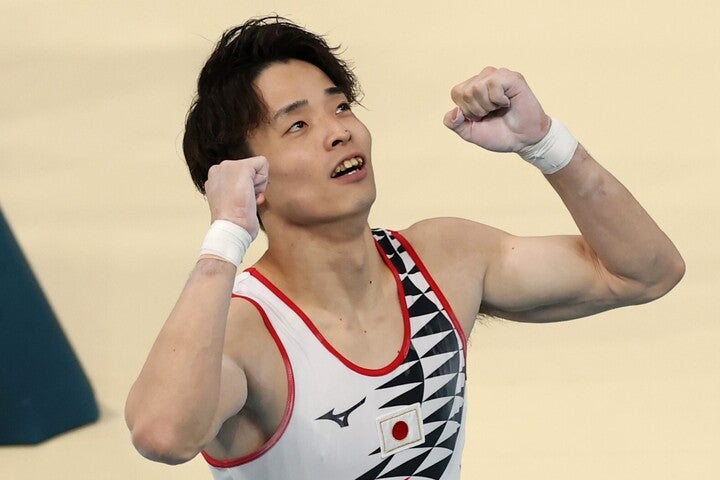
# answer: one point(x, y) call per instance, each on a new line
point(371, 372)
point(434, 286)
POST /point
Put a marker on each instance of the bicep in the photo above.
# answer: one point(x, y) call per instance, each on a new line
point(233, 390)
point(482, 269)
point(233, 393)
point(543, 279)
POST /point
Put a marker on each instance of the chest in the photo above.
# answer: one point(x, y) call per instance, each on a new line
point(352, 407)
point(370, 340)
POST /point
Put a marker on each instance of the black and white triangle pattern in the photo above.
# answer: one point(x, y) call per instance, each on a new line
point(432, 374)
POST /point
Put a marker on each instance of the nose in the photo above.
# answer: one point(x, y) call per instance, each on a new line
point(337, 135)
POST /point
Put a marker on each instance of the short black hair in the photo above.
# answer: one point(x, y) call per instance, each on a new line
point(227, 107)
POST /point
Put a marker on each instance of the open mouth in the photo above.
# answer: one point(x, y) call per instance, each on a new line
point(348, 167)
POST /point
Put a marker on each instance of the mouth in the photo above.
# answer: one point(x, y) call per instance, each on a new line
point(348, 167)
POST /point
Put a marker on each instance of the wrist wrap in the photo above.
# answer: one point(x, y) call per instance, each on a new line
point(227, 241)
point(554, 151)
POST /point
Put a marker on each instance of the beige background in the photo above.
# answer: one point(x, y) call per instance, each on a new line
point(92, 102)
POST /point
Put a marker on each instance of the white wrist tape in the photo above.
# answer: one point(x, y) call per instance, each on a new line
point(226, 240)
point(554, 151)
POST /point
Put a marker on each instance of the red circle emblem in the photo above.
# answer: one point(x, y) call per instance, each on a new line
point(400, 430)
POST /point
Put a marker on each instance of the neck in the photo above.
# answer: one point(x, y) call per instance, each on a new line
point(329, 266)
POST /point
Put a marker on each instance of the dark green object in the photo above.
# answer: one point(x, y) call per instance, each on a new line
point(43, 389)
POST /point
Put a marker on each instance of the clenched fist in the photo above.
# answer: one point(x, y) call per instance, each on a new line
point(497, 111)
point(235, 188)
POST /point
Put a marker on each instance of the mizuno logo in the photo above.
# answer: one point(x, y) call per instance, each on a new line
point(342, 417)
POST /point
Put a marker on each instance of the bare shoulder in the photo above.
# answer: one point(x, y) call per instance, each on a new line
point(250, 345)
point(247, 339)
point(450, 239)
point(456, 253)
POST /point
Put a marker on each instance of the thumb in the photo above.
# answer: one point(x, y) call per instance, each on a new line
point(454, 118)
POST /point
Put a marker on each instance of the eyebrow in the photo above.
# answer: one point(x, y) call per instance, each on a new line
point(288, 109)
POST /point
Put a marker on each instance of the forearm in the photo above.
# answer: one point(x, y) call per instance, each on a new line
point(622, 256)
point(625, 239)
point(176, 395)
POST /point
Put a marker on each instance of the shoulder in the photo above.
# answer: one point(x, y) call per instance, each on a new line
point(246, 325)
point(247, 339)
point(457, 254)
point(251, 345)
point(454, 239)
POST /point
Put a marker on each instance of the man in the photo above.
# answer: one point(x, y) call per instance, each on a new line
point(341, 352)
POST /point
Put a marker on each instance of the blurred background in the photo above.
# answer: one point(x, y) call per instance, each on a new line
point(93, 183)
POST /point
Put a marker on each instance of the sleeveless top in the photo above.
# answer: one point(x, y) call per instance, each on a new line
point(343, 421)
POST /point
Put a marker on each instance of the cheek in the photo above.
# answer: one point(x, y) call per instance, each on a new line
point(287, 177)
point(363, 135)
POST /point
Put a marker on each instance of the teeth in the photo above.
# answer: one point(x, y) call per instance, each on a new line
point(347, 164)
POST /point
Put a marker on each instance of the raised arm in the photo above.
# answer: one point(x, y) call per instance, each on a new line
point(188, 387)
point(621, 257)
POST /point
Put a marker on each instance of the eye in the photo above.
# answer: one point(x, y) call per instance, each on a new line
point(297, 126)
point(343, 107)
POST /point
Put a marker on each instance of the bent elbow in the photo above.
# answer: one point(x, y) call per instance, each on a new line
point(672, 273)
point(678, 271)
point(160, 444)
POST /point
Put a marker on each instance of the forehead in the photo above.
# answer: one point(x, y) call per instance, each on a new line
point(286, 82)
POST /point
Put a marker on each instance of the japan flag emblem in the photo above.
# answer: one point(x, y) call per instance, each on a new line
point(400, 430)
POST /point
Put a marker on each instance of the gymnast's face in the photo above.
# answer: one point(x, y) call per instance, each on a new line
point(317, 149)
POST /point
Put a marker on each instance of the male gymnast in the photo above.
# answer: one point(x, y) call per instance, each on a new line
point(341, 353)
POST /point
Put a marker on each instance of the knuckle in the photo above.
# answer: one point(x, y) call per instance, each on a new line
point(456, 92)
point(469, 94)
point(260, 161)
point(477, 89)
point(488, 71)
point(513, 74)
point(494, 85)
